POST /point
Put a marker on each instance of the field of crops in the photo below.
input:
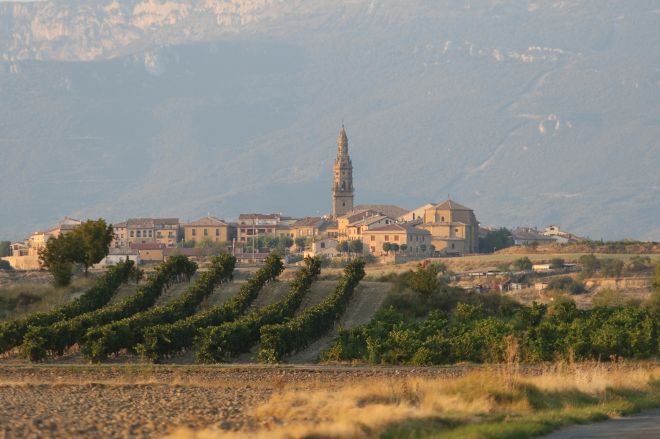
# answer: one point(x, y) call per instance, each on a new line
point(100, 329)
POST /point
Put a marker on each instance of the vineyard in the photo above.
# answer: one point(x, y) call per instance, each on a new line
point(135, 325)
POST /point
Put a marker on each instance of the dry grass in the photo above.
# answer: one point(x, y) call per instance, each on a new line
point(371, 408)
point(19, 300)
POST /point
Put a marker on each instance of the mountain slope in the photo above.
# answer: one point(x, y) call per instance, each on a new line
point(528, 112)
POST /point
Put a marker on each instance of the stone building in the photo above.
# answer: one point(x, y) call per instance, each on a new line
point(209, 227)
point(418, 241)
point(454, 227)
point(342, 189)
point(146, 231)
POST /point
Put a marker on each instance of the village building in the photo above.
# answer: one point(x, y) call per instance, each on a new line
point(415, 239)
point(257, 224)
point(117, 255)
point(150, 253)
point(454, 227)
point(527, 235)
point(211, 228)
point(323, 246)
point(308, 226)
point(146, 231)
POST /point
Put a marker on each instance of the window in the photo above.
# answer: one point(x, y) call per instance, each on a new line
point(206, 232)
point(194, 232)
point(452, 246)
point(323, 245)
point(396, 237)
point(139, 234)
point(387, 237)
point(343, 204)
point(455, 230)
point(373, 249)
point(410, 238)
point(170, 235)
point(308, 233)
point(442, 219)
point(299, 232)
point(270, 230)
point(413, 216)
point(217, 232)
point(150, 233)
point(158, 235)
point(373, 237)
point(343, 185)
point(242, 238)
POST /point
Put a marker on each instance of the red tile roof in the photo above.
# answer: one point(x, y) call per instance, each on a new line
point(451, 205)
point(258, 216)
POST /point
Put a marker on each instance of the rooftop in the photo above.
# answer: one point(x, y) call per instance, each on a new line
point(207, 221)
point(147, 246)
point(450, 205)
point(308, 222)
point(391, 210)
point(399, 228)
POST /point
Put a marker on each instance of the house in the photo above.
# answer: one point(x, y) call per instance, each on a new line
point(151, 253)
point(308, 226)
point(322, 246)
point(541, 267)
point(329, 229)
point(450, 246)
point(560, 236)
point(399, 234)
point(251, 224)
point(146, 231)
point(198, 254)
point(209, 227)
point(415, 214)
point(248, 258)
point(390, 210)
point(351, 226)
point(527, 235)
point(450, 220)
point(120, 254)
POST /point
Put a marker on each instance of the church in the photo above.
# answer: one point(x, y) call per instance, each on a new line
point(453, 228)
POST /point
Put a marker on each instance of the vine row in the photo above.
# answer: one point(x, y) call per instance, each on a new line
point(216, 343)
point(13, 332)
point(161, 341)
point(282, 339)
point(41, 342)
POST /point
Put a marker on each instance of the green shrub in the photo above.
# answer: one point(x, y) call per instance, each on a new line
point(5, 265)
point(161, 341)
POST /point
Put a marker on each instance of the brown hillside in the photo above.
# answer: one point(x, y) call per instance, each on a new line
point(553, 249)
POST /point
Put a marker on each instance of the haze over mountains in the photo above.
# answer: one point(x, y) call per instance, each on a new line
point(528, 112)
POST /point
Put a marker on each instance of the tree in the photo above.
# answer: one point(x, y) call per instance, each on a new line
point(422, 247)
point(432, 248)
point(5, 265)
point(96, 237)
point(342, 247)
point(612, 267)
point(534, 246)
point(300, 243)
point(59, 255)
point(556, 263)
point(404, 247)
point(523, 263)
point(423, 281)
point(589, 265)
point(502, 266)
point(186, 244)
point(205, 242)
point(387, 247)
point(286, 241)
point(4, 248)
point(395, 247)
point(356, 246)
point(655, 281)
point(496, 240)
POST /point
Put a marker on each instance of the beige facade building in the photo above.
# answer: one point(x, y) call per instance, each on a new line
point(146, 231)
point(415, 239)
point(209, 227)
point(257, 224)
point(454, 228)
point(342, 188)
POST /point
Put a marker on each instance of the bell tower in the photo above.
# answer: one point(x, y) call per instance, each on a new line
point(342, 189)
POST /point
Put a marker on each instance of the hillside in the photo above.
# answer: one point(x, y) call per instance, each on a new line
point(528, 112)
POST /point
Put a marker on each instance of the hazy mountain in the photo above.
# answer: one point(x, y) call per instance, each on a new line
point(529, 112)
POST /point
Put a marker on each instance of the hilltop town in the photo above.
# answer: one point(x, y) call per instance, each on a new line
point(438, 229)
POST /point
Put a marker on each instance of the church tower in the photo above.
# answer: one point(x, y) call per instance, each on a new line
point(342, 190)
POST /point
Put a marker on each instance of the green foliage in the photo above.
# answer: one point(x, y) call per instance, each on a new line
point(589, 264)
point(557, 263)
point(608, 297)
point(387, 246)
point(64, 333)
point(470, 334)
point(423, 281)
point(422, 247)
point(342, 247)
point(395, 247)
point(567, 285)
point(301, 242)
point(232, 338)
point(100, 341)
point(65, 249)
point(5, 265)
point(62, 274)
point(432, 248)
point(280, 340)
point(356, 246)
point(522, 264)
point(404, 247)
point(503, 266)
point(96, 238)
point(611, 267)
point(496, 240)
point(12, 333)
point(5, 248)
point(655, 282)
point(161, 341)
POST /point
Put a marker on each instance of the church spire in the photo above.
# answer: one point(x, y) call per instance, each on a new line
point(342, 190)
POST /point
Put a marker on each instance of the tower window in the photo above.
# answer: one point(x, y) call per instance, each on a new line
point(343, 185)
point(442, 219)
point(343, 204)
